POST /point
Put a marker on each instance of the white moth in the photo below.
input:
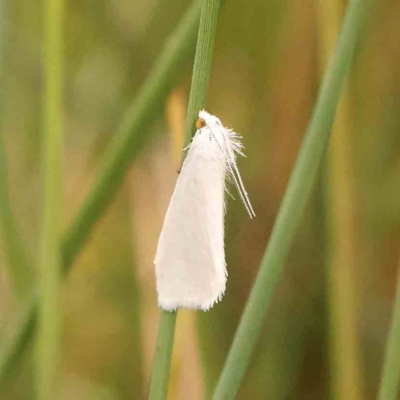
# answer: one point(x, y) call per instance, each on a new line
point(190, 258)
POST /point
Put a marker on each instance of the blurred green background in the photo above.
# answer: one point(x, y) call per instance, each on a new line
point(326, 330)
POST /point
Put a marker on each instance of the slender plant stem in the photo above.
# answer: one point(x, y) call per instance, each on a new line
point(49, 332)
point(202, 64)
point(389, 387)
point(163, 355)
point(19, 270)
point(198, 92)
point(128, 142)
point(294, 201)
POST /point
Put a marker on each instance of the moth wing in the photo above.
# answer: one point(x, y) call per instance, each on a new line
point(190, 258)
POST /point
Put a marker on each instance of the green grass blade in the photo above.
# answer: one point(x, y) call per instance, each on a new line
point(19, 271)
point(198, 92)
point(163, 355)
point(127, 144)
point(389, 386)
point(49, 329)
point(295, 199)
point(202, 65)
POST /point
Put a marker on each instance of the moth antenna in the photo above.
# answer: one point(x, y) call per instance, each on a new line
point(245, 195)
point(242, 191)
point(233, 171)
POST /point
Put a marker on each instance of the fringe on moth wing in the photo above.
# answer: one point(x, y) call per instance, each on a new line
point(216, 301)
point(235, 142)
point(236, 145)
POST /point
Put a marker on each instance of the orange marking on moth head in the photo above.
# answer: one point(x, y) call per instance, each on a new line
point(200, 123)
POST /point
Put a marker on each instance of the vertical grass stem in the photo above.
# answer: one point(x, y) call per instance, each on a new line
point(48, 341)
point(198, 92)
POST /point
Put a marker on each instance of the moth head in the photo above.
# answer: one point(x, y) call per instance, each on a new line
point(200, 123)
point(206, 119)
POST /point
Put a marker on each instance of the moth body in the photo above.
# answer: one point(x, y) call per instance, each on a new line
point(190, 257)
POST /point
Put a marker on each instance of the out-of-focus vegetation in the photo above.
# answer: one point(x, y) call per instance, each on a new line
point(267, 68)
